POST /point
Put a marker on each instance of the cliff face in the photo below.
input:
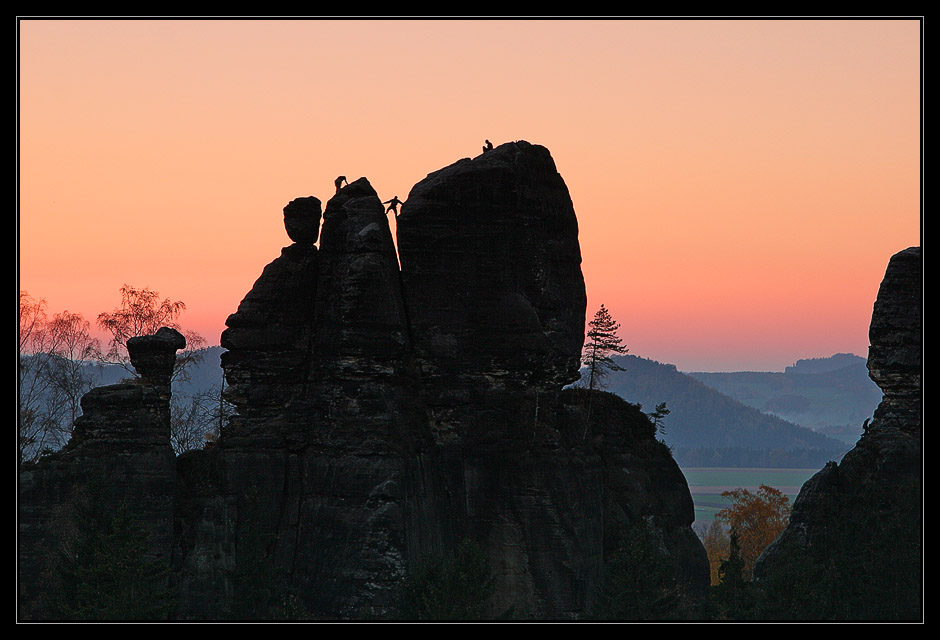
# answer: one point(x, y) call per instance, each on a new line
point(491, 269)
point(320, 474)
point(491, 273)
point(855, 530)
point(385, 414)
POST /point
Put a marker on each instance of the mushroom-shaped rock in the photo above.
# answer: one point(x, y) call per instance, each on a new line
point(154, 356)
point(302, 219)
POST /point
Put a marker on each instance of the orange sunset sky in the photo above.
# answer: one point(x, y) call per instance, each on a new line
point(740, 185)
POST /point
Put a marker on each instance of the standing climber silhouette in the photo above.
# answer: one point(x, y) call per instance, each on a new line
point(393, 205)
point(488, 146)
point(339, 183)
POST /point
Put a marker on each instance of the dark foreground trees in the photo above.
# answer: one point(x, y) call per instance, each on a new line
point(448, 588)
point(104, 571)
point(642, 581)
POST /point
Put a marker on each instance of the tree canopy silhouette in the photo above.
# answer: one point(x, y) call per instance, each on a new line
point(54, 370)
point(142, 313)
point(602, 343)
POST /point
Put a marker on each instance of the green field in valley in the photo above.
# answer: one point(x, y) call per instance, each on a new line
point(707, 483)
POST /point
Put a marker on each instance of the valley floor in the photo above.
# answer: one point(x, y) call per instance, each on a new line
point(707, 483)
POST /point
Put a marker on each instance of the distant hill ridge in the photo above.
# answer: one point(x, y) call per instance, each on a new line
point(833, 395)
point(825, 365)
point(707, 426)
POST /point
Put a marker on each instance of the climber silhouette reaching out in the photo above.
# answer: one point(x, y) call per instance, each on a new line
point(393, 205)
point(339, 183)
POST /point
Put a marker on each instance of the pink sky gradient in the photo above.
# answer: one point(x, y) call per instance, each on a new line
point(740, 185)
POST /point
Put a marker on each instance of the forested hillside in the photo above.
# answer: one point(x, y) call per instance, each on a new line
point(831, 395)
point(707, 428)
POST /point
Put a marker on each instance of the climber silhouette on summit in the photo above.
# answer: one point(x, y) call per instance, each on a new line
point(488, 146)
point(393, 205)
point(339, 183)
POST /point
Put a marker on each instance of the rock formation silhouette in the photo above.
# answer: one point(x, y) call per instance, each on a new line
point(119, 456)
point(855, 532)
point(385, 414)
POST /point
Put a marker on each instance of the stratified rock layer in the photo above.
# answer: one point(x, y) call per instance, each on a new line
point(896, 335)
point(855, 530)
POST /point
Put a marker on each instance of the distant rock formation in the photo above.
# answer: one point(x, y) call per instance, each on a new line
point(810, 366)
point(119, 455)
point(855, 532)
point(386, 414)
